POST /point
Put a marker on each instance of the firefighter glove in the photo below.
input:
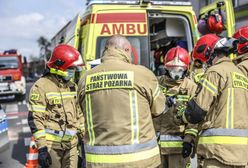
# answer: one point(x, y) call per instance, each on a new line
point(44, 158)
point(170, 101)
point(178, 116)
point(180, 110)
point(187, 149)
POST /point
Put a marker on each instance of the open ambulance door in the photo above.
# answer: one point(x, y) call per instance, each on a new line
point(73, 32)
point(227, 12)
point(69, 34)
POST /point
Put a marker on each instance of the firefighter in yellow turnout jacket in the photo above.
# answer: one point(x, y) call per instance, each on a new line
point(242, 48)
point(178, 89)
point(54, 118)
point(118, 100)
point(221, 106)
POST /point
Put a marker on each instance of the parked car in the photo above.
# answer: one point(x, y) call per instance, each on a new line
point(4, 139)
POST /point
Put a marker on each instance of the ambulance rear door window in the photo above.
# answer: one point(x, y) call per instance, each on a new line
point(139, 47)
point(165, 32)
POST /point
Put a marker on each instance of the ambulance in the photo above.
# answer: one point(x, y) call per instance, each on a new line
point(152, 27)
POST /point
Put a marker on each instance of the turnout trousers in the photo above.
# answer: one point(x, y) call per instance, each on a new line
point(213, 163)
point(174, 161)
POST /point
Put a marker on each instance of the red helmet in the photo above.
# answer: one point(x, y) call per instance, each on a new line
point(242, 35)
point(177, 57)
point(205, 47)
point(215, 23)
point(63, 56)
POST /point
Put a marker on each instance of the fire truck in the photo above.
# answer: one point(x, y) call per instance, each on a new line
point(152, 27)
point(12, 81)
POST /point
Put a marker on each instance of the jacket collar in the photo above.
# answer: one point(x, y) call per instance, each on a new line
point(112, 53)
point(245, 57)
point(170, 82)
point(223, 59)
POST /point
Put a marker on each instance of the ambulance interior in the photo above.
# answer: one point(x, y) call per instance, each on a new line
point(166, 31)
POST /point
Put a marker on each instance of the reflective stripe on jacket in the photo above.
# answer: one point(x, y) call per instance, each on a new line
point(55, 136)
point(224, 136)
point(121, 153)
point(170, 141)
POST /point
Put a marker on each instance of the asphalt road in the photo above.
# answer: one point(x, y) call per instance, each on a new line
point(18, 132)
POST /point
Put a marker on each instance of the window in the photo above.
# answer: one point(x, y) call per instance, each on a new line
point(139, 44)
point(242, 2)
point(8, 62)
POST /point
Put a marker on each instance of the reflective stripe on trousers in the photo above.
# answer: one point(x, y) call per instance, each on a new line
point(224, 136)
point(170, 141)
point(121, 154)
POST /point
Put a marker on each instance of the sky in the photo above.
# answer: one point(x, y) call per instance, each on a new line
point(22, 22)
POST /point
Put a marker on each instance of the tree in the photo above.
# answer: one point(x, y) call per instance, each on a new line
point(45, 48)
point(33, 58)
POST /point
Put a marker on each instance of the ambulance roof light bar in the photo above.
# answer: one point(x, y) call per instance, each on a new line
point(171, 3)
point(133, 2)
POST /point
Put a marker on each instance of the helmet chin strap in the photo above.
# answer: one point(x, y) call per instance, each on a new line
point(58, 72)
point(212, 57)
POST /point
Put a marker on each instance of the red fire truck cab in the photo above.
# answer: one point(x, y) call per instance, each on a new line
point(12, 81)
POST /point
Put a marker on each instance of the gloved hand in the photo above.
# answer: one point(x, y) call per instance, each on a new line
point(180, 110)
point(189, 149)
point(170, 101)
point(80, 135)
point(44, 158)
point(177, 118)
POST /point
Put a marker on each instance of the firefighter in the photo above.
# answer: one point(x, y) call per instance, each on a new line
point(119, 99)
point(220, 106)
point(242, 48)
point(175, 138)
point(54, 117)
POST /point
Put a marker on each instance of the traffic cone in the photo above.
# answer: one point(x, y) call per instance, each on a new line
point(32, 160)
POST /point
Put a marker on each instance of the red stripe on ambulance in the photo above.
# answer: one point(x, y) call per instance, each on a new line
point(120, 17)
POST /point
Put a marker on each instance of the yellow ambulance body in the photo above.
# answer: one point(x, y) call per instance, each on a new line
point(148, 24)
